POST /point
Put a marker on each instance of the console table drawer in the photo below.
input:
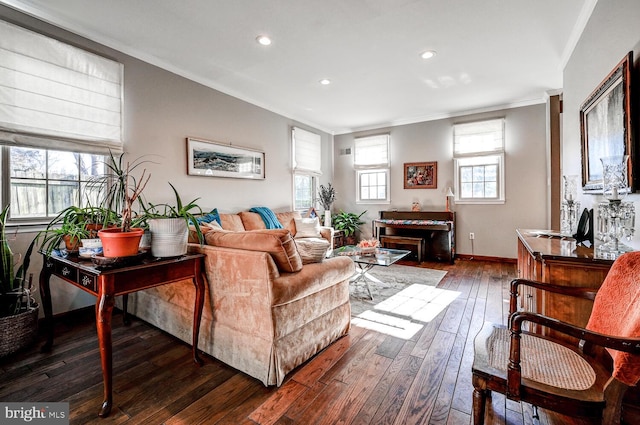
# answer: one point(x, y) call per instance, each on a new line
point(66, 272)
point(88, 281)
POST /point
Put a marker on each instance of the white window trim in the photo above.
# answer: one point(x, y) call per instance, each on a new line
point(387, 200)
point(485, 201)
point(314, 195)
point(383, 166)
point(497, 151)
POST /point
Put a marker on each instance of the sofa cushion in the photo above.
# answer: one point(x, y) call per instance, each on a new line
point(253, 221)
point(287, 219)
point(231, 222)
point(277, 242)
point(307, 228)
point(312, 250)
point(204, 228)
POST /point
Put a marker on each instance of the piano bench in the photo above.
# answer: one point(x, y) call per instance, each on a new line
point(403, 240)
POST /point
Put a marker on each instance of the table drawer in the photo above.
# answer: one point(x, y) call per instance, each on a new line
point(88, 281)
point(66, 272)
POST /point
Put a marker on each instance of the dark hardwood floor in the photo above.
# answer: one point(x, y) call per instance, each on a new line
point(367, 377)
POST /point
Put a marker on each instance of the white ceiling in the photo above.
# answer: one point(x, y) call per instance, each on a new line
point(491, 54)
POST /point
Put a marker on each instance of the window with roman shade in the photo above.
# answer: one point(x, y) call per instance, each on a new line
point(478, 150)
point(307, 166)
point(54, 95)
point(371, 162)
point(60, 114)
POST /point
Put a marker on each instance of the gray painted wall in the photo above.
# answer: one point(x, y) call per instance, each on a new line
point(494, 225)
point(612, 31)
point(161, 110)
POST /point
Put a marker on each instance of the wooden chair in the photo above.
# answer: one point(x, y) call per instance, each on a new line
point(588, 378)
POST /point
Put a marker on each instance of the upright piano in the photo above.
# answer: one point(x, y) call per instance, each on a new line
point(435, 228)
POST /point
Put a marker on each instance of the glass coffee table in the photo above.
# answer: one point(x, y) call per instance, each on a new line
point(367, 260)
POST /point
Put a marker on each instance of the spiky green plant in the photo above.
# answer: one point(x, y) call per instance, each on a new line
point(14, 297)
point(187, 211)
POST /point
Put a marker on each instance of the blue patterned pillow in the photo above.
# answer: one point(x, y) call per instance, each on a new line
point(209, 217)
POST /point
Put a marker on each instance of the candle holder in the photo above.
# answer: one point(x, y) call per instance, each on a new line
point(570, 207)
point(616, 219)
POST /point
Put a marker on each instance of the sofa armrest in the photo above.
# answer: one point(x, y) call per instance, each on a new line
point(240, 287)
point(327, 233)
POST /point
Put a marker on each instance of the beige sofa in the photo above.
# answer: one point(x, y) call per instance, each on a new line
point(265, 312)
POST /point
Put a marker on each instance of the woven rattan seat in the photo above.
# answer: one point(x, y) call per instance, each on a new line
point(543, 361)
point(577, 379)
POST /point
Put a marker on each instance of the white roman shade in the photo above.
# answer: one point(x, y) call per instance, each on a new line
point(307, 151)
point(53, 95)
point(371, 152)
point(478, 137)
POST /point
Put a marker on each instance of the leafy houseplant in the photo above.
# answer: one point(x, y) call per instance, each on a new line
point(70, 225)
point(349, 223)
point(169, 225)
point(18, 310)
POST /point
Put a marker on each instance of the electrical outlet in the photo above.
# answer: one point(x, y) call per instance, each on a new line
point(472, 236)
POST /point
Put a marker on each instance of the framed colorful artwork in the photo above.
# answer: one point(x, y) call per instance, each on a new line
point(421, 175)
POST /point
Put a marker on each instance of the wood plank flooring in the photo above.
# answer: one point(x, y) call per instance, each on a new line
point(367, 377)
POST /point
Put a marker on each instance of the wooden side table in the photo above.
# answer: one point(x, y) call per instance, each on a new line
point(338, 238)
point(106, 284)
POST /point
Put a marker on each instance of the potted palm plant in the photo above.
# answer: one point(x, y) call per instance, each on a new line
point(18, 309)
point(169, 226)
point(119, 196)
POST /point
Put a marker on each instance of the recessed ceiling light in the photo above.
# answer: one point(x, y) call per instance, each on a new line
point(428, 54)
point(325, 81)
point(264, 40)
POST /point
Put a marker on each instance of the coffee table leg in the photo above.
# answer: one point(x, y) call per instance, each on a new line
point(363, 278)
point(104, 310)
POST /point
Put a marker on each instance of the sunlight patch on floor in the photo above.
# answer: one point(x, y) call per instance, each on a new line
point(417, 302)
point(390, 325)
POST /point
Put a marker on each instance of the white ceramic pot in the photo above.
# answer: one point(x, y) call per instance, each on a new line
point(168, 237)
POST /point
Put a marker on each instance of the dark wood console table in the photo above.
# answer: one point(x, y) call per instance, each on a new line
point(437, 229)
point(106, 284)
point(560, 261)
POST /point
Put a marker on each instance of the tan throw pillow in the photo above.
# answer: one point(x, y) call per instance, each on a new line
point(287, 219)
point(312, 250)
point(277, 242)
point(307, 228)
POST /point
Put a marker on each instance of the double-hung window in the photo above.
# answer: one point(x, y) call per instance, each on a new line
point(307, 167)
point(60, 116)
point(371, 162)
point(478, 151)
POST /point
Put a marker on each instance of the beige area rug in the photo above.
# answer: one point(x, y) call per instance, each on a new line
point(395, 287)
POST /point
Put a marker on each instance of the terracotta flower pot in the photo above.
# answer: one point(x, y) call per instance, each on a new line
point(116, 243)
point(72, 243)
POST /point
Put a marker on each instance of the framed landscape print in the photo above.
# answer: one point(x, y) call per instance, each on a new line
point(605, 125)
point(213, 159)
point(421, 175)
